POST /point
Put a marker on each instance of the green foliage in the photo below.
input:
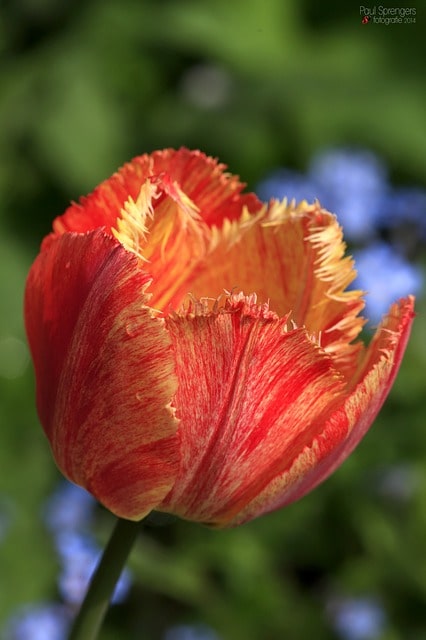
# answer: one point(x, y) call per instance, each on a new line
point(85, 86)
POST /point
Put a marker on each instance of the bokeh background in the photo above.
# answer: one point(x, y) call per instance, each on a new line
point(296, 97)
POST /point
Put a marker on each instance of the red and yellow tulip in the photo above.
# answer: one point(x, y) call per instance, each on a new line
point(195, 350)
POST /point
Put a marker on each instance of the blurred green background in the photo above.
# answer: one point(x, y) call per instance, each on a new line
point(84, 86)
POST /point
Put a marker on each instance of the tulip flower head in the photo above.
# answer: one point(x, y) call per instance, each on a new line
point(195, 350)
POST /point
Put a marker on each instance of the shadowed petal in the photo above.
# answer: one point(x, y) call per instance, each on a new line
point(104, 371)
point(252, 394)
point(351, 420)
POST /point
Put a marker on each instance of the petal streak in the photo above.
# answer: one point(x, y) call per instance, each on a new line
point(263, 389)
point(104, 372)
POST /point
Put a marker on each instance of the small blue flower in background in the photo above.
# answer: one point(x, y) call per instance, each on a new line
point(190, 632)
point(69, 508)
point(69, 513)
point(398, 483)
point(385, 276)
point(357, 618)
point(356, 182)
point(42, 622)
point(291, 185)
point(405, 208)
point(79, 556)
point(350, 183)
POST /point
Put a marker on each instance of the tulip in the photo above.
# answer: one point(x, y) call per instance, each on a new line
point(195, 350)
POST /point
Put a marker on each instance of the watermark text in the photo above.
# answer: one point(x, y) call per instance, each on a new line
point(379, 14)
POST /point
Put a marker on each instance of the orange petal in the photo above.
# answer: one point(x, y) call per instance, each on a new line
point(101, 208)
point(168, 230)
point(215, 193)
point(344, 427)
point(293, 257)
point(252, 395)
point(173, 239)
point(104, 372)
point(161, 207)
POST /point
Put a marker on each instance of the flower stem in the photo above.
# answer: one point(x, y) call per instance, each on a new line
point(95, 604)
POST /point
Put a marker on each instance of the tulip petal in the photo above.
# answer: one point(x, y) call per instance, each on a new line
point(104, 371)
point(292, 256)
point(168, 243)
point(161, 207)
point(175, 243)
point(346, 426)
point(252, 394)
point(216, 194)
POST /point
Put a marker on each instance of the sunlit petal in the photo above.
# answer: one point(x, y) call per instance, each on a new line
point(292, 256)
point(263, 389)
point(216, 194)
point(347, 424)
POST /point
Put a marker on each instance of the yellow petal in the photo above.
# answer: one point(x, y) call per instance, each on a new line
point(293, 257)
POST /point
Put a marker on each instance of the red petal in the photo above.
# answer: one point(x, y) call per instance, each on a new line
point(251, 397)
point(104, 372)
point(101, 208)
point(345, 426)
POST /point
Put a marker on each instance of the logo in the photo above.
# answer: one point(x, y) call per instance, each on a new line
point(365, 20)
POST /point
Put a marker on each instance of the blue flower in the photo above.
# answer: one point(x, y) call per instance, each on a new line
point(79, 556)
point(358, 618)
point(385, 276)
point(43, 622)
point(355, 182)
point(398, 482)
point(291, 185)
point(69, 511)
point(190, 632)
point(69, 508)
point(404, 209)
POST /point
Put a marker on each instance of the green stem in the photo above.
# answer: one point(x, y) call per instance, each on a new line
point(94, 607)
